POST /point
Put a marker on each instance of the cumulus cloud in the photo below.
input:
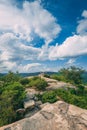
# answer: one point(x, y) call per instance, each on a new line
point(12, 49)
point(82, 27)
point(33, 67)
point(17, 27)
point(13, 52)
point(7, 65)
point(31, 18)
point(72, 47)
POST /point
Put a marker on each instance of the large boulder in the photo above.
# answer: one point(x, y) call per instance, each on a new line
point(29, 104)
point(57, 116)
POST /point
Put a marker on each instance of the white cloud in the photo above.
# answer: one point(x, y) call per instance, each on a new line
point(31, 18)
point(84, 14)
point(72, 47)
point(13, 52)
point(18, 25)
point(82, 27)
point(37, 67)
point(5, 66)
point(12, 49)
point(71, 61)
point(33, 67)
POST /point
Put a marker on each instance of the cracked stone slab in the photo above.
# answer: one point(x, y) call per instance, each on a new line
point(47, 115)
point(57, 116)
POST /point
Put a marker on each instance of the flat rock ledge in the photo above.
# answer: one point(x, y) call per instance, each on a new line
point(57, 116)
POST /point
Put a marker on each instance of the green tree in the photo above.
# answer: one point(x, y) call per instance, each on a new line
point(72, 74)
point(11, 99)
point(11, 77)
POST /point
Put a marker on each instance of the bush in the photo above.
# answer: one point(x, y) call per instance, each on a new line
point(80, 89)
point(47, 75)
point(38, 83)
point(11, 99)
point(49, 97)
point(67, 96)
point(73, 74)
point(58, 77)
point(24, 81)
point(11, 77)
point(41, 84)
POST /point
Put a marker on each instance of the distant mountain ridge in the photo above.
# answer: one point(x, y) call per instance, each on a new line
point(49, 73)
point(36, 73)
point(31, 74)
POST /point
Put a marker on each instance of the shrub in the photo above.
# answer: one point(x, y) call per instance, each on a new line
point(41, 84)
point(58, 77)
point(47, 75)
point(49, 97)
point(11, 99)
point(67, 96)
point(24, 81)
point(80, 89)
point(73, 74)
point(38, 83)
point(11, 77)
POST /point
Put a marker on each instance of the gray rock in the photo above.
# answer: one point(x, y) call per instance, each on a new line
point(29, 96)
point(31, 112)
point(21, 110)
point(29, 104)
point(8, 128)
point(35, 98)
point(38, 103)
point(57, 116)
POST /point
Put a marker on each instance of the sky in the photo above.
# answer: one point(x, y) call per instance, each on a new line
point(42, 35)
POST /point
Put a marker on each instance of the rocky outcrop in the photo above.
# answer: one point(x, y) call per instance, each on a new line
point(31, 103)
point(57, 116)
point(55, 84)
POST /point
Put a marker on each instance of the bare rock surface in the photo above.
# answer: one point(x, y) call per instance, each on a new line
point(57, 116)
point(55, 84)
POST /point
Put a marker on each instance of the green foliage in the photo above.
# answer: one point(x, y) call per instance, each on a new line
point(72, 74)
point(24, 81)
point(17, 93)
point(58, 77)
point(12, 95)
point(7, 113)
point(49, 97)
point(12, 92)
point(80, 89)
point(84, 77)
point(70, 96)
point(38, 83)
point(47, 75)
point(11, 77)
point(41, 84)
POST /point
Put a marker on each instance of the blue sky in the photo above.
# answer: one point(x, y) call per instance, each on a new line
point(42, 35)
